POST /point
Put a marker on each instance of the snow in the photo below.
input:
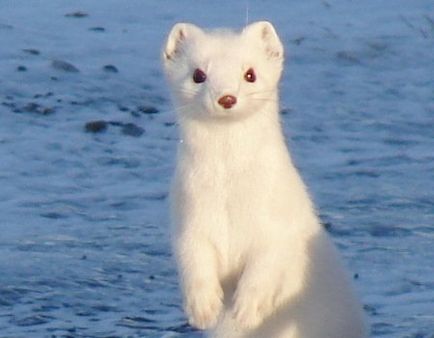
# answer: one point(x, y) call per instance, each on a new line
point(83, 216)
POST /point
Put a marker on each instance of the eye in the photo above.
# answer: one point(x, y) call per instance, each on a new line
point(250, 75)
point(199, 76)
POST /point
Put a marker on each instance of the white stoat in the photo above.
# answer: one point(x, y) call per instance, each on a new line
point(253, 259)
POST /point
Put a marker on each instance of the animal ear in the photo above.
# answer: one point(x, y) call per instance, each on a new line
point(177, 37)
point(265, 31)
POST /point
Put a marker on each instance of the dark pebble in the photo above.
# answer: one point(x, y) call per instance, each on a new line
point(22, 69)
point(116, 123)
point(64, 66)
point(110, 69)
point(327, 225)
point(9, 104)
point(53, 215)
point(348, 57)
point(131, 129)
point(123, 108)
point(97, 29)
point(31, 51)
point(48, 94)
point(370, 309)
point(4, 26)
point(148, 110)
point(96, 126)
point(285, 111)
point(32, 107)
point(32, 320)
point(183, 328)
point(298, 41)
point(77, 14)
point(47, 111)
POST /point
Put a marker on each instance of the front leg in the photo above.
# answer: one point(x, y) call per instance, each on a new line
point(264, 285)
point(203, 294)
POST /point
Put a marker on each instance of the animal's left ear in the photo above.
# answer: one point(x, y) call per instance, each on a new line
point(265, 31)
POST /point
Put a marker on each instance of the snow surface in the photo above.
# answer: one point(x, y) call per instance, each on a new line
point(83, 216)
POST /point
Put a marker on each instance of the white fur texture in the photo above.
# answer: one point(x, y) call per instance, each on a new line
point(253, 258)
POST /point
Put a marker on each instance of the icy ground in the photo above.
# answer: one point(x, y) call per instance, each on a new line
point(83, 243)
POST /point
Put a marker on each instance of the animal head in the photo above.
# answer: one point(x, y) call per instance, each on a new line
point(223, 74)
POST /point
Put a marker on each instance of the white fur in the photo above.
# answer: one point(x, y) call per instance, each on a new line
point(253, 258)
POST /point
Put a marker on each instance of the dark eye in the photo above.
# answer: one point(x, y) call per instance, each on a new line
point(250, 75)
point(199, 76)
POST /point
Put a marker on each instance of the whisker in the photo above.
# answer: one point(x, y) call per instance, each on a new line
point(260, 92)
point(264, 99)
point(185, 91)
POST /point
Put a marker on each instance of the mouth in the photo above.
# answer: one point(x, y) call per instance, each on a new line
point(227, 106)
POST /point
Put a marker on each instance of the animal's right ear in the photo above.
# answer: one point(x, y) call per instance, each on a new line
point(177, 38)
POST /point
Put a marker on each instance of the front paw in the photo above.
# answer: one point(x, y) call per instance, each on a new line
point(251, 305)
point(203, 305)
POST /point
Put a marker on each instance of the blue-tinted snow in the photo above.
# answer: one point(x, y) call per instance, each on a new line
point(83, 216)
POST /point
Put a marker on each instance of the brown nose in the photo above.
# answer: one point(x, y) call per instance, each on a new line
point(227, 101)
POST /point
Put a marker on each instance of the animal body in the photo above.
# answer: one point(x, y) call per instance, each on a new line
point(253, 258)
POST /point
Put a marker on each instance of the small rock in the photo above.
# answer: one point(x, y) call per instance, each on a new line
point(31, 107)
point(97, 29)
point(116, 123)
point(298, 41)
point(64, 66)
point(77, 14)
point(22, 69)
point(149, 110)
point(32, 320)
point(96, 126)
point(9, 105)
point(348, 57)
point(131, 129)
point(326, 4)
point(47, 111)
point(123, 108)
point(52, 215)
point(285, 111)
point(31, 51)
point(38, 96)
point(110, 69)
point(327, 225)
point(5, 26)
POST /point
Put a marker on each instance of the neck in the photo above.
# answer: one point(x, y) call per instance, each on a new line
point(254, 126)
point(233, 140)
